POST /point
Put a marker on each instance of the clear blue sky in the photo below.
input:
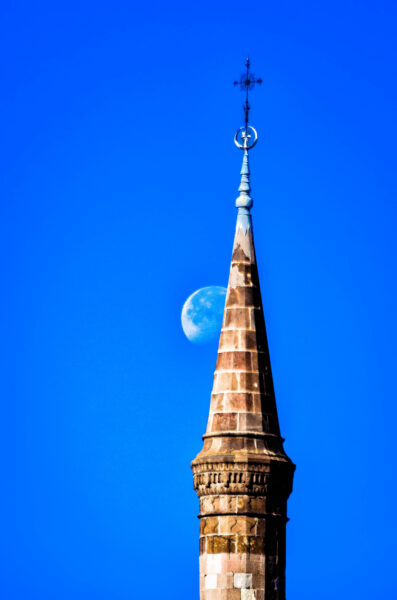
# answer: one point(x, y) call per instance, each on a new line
point(118, 182)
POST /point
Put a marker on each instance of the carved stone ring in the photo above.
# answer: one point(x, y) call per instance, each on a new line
point(244, 135)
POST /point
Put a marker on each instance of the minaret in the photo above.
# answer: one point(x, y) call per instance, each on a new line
point(242, 475)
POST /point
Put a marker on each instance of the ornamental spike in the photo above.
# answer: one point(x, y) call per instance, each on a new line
point(245, 139)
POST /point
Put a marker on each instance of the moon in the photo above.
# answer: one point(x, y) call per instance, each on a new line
point(202, 314)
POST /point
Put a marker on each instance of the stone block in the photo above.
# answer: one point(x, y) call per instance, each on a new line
point(237, 276)
point(232, 443)
point(243, 503)
point(241, 360)
point(229, 340)
point(233, 297)
point(243, 296)
point(258, 579)
point(203, 563)
point(217, 544)
point(224, 422)
point(213, 563)
point(210, 504)
point(241, 402)
point(243, 544)
point(224, 361)
point(256, 402)
point(250, 422)
point(251, 296)
point(211, 581)
point(234, 563)
point(209, 525)
point(225, 580)
point(261, 528)
point(257, 545)
point(245, 274)
point(243, 580)
point(249, 341)
point(254, 361)
point(238, 318)
point(250, 382)
point(237, 524)
point(225, 381)
point(230, 594)
point(255, 564)
point(241, 253)
point(216, 403)
point(227, 503)
point(212, 594)
point(248, 595)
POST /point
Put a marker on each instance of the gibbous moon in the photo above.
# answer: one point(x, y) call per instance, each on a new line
point(202, 314)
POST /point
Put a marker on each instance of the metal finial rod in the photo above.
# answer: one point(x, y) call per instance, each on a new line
point(247, 82)
point(245, 139)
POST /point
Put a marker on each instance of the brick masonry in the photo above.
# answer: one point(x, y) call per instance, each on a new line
point(242, 475)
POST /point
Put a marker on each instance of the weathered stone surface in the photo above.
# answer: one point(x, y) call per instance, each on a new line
point(209, 525)
point(242, 475)
point(211, 581)
point(237, 318)
point(240, 402)
point(248, 595)
point(237, 524)
point(251, 382)
point(250, 422)
point(224, 382)
point(224, 422)
point(242, 580)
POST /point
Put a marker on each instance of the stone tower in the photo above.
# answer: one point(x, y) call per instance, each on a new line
point(242, 475)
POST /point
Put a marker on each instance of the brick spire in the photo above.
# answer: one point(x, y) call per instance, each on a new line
point(242, 475)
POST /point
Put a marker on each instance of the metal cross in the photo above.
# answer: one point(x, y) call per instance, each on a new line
point(247, 82)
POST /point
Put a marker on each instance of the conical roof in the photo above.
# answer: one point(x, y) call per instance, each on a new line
point(243, 422)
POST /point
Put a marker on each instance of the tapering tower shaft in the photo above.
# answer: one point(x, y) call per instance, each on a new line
point(242, 475)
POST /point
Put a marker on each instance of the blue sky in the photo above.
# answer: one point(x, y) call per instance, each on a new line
point(119, 176)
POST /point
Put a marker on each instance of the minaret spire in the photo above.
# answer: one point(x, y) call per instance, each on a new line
point(242, 475)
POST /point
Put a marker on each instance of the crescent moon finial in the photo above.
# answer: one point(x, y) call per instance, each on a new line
point(244, 134)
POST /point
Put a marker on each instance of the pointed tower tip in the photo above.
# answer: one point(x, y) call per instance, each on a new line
point(243, 476)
